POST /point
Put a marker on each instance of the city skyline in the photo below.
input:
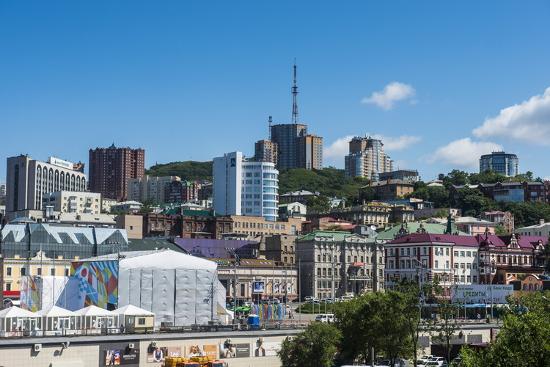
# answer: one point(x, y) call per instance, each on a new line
point(179, 81)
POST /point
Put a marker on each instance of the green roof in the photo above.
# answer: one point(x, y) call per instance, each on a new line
point(197, 213)
point(436, 228)
point(338, 235)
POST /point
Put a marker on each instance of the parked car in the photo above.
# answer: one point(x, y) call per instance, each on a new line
point(325, 317)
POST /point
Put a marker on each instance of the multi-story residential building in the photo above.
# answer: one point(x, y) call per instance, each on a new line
point(509, 259)
point(474, 226)
point(449, 259)
point(253, 227)
point(515, 191)
point(72, 202)
point(266, 151)
point(367, 158)
point(505, 219)
point(500, 162)
point(28, 180)
point(126, 207)
point(280, 248)
point(310, 152)
point(540, 229)
point(182, 191)
point(392, 189)
point(334, 263)
point(34, 247)
point(286, 137)
point(150, 189)
point(402, 174)
point(111, 168)
point(2, 191)
point(372, 213)
point(243, 187)
point(292, 210)
point(300, 196)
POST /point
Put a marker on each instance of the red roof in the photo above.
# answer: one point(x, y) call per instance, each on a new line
point(437, 238)
point(528, 242)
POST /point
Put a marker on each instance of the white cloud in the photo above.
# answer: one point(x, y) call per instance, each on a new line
point(393, 143)
point(338, 149)
point(528, 121)
point(334, 153)
point(463, 153)
point(391, 94)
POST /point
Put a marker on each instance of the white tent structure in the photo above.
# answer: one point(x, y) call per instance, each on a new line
point(95, 320)
point(135, 319)
point(58, 321)
point(15, 321)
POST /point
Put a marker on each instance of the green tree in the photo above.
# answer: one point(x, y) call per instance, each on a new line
point(315, 347)
point(446, 325)
point(374, 321)
point(473, 202)
point(319, 204)
point(523, 340)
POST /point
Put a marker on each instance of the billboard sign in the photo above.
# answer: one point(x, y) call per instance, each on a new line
point(258, 287)
point(481, 293)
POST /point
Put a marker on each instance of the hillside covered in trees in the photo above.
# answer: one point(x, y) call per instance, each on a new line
point(187, 170)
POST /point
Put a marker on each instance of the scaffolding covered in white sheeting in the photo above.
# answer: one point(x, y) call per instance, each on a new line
point(180, 289)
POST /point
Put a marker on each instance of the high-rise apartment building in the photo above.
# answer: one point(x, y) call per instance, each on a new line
point(286, 137)
point(500, 162)
point(28, 180)
point(367, 158)
point(150, 189)
point(265, 151)
point(310, 152)
point(111, 169)
point(243, 187)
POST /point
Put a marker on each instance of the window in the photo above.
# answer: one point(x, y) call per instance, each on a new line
point(425, 250)
point(436, 264)
point(456, 253)
point(468, 279)
point(402, 252)
point(475, 278)
point(447, 251)
point(408, 251)
point(469, 253)
point(447, 264)
point(23, 271)
point(456, 265)
point(66, 272)
point(39, 271)
point(462, 253)
point(468, 266)
point(141, 320)
point(8, 271)
point(52, 271)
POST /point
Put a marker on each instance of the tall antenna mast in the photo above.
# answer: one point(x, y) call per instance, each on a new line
point(294, 97)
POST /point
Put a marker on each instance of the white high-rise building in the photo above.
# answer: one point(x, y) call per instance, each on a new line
point(28, 180)
point(243, 187)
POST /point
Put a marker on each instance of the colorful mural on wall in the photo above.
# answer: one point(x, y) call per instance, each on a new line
point(97, 283)
point(30, 294)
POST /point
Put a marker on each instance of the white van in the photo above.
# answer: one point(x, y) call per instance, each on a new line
point(325, 317)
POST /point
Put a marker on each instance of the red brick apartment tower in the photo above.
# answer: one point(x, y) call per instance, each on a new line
point(111, 168)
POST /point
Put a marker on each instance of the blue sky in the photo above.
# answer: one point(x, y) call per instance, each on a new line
point(194, 79)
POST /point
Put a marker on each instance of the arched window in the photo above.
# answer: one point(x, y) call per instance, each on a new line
point(62, 180)
point(77, 183)
point(72, 183)
point(56, 185)
point(50, 180)
point(83, 184)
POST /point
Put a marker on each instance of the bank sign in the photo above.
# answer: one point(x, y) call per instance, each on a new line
point(481, 293)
